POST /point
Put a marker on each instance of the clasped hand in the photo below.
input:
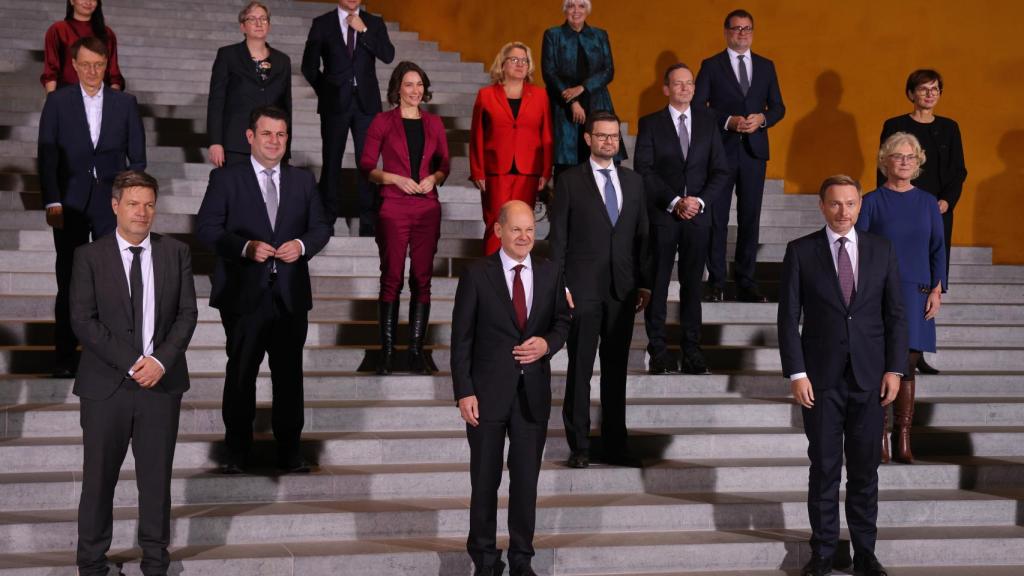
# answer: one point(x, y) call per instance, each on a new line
point(288, 252)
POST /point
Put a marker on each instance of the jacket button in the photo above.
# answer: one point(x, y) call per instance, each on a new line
point(849, 317)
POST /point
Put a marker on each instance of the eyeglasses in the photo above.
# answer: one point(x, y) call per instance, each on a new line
point(740, 29)
point(257, 20)
point(903, 158)
point(925, 90)
point(517, 61)
point(605, 137)
point(95, 66)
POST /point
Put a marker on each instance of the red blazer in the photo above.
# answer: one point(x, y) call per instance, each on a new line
point(496, 138)
point(386, 138)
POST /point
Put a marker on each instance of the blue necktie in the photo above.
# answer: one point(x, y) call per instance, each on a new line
point(611, 201)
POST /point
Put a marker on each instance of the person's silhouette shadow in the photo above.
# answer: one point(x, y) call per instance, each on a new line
point(653, 97)
point(995, 208)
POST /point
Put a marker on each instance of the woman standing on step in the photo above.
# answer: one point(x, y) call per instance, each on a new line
point(245, 76)
point(909, 217)
point(510, 142)
point(83, 18)
point(414, 149)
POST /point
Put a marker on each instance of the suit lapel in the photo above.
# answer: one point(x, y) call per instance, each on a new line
point(726, 64)
point(108, 116)
point(253, 184)
point(283, 195)
point(597, 196)
point(541, 279)
point(673, 134)
point(398, 125)
point(159, 276)
point(83, 119)
point(825, 258)
point(499, 95)
point(496, 275)
point(865, 253)
point(112, 259)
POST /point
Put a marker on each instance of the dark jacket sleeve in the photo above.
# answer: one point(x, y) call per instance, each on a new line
point(219, 78)
point(318, 231)
point(604, 71)
point(558, 216)
point(953, 180)
point(48, 150)
point(173, 347)
point(549, 62)
point(894, 316)
point(463, 326)
point(791, 351)
point(211, 221)
point(643, 254)
point(136, 137)
point(717, 183)
point(311, 55)
point(702, 91)
point(937, 248)
point(775, 109)
point(85, 320)
point(559, 330)
point(643, 161)
point(376, 38)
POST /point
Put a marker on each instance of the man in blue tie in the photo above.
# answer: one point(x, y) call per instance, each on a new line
point(599, 232)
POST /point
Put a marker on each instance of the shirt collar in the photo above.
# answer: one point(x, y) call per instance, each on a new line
point(851, 236)
point(85, 95)
point(123, 244)
point(676, 114)
point(595, 166)
point(508, 263)
point(733, 54)
point(259, 168)
point(344, 13)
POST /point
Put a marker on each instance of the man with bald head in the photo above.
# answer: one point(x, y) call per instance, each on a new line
point(510, 318)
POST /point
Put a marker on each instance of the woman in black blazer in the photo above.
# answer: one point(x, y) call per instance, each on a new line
point(245, 76)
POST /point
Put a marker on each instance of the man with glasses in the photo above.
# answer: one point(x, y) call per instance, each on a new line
point(680, 156)
point(743, 92)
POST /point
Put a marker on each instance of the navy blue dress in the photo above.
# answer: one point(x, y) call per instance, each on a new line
point(911, 221)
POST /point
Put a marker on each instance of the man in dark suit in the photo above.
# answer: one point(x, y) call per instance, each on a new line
point(599, 239)
point(510, 318)
point(349, 42)
point(679, 154)
point(742, 90)
point(133, 307)
point(265, 221)
point(844, 366)
point(88, 134)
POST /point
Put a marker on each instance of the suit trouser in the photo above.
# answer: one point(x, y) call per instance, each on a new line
point(411, 224)
point(747, 175)
point(502, 188)
point(97, 220)
point(149, 421)
point(689, 242)
point(334, 129)
point(606, 327)
point(486, 445)
point(280, 333)
point(843, 417)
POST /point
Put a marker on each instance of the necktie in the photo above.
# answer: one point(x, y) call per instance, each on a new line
point(845, 271)
point(271, 198)
point(519, 298)
point(135, 285)
point(350, 40)
point(611, 201)
point(684, 137)
point(744, 78)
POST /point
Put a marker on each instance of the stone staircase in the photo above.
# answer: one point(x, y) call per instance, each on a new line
point(723, 489)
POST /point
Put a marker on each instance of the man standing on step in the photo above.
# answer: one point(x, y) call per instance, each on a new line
point(598, 238)
point(133, 307)
point(348, 42)
point(88, 134)
point(845, 366)
point(743, 92)
point(679, 153)
point(264, 220)
point(510, 318)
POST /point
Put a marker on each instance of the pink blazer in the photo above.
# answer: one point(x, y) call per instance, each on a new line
point(386, 139)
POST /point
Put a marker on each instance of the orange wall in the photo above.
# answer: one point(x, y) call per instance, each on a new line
point(842, 67)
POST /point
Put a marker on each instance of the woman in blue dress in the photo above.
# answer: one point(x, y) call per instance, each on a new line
point(909, 217)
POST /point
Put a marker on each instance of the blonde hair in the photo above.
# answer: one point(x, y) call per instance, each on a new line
point(497, 68)
point(586, 5)
point(893, 142)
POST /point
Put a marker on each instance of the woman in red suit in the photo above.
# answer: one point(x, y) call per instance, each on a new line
point(414, 148)
point(83, 18)
point(510, 140)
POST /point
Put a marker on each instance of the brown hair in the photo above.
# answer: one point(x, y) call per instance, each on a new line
point(133, 179)
point(90, 43)
point(249, 7)
point(395, 84)
point(837, 180)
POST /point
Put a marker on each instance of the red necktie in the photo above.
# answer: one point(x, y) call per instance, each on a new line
point(519, 298)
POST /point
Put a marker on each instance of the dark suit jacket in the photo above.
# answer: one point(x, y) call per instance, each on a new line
point(66, 153)
point(233, 212)
point(497, 138)
point(386, 139)
point(333, 83)
point(871, 333)
point(235, 91)
point(101, 315)
point(718, 87)
point(659, 159)
point(944, 171)
point(484, 331)
point(594, 256)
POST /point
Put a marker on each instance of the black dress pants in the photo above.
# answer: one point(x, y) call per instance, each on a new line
point(747, 175)
point(486, 447)
point(334, 129)
point(148, 420)
point(844, 419)
point(687, 241)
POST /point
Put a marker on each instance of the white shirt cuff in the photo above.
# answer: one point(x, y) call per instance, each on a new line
point(52, 204)
point(303, 246)
point(244, 246)
point(797, 376)
point(672, 205)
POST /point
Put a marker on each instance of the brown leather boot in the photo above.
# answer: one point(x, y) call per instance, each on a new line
point(903, 416)
point(885, 435)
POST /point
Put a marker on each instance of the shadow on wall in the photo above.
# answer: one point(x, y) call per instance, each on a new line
point(825, 141)
point(998, 199)
point(653, 97)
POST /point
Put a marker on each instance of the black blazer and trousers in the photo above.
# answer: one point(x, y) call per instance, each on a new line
point(845, 351)
point(79, 176)
point(603, 266)
point(704, 173)
point(114, 409)
point(348, 97)
point(236, 90)
point(718, 87)
point(262, 310)
point(514, 399)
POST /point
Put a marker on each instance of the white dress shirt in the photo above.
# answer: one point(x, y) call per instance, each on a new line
point(275, 175)
point(343, 18)
point(508, 265)
point(148, 290)
point(735, 62)
point(599, 178)
point(688, 124)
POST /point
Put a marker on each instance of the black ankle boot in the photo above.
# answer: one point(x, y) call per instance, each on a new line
point(387, 316)
point(420, 361)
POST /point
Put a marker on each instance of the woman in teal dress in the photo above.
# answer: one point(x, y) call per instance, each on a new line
point(909, 217)
point(577, 68)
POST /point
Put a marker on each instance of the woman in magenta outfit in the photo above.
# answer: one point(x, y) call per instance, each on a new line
point(84, 18)
point(909, 217)
point(414, 149)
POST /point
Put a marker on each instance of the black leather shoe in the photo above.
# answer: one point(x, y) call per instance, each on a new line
point(715, 294)
point(231, 467)
point(817, 566)
point(496, 569)
point(294, 464)
point(663, 363)
point(63, 373)
point(579, 460)
point(523, 571)
point(751, 295)
point(692, 362)
point(865, 564)
point(924, 367)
